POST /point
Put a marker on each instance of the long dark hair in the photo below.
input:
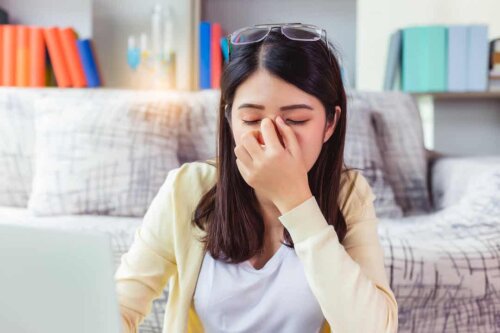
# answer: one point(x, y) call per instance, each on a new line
point(229, 211)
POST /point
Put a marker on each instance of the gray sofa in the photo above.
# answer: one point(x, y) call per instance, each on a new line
point(65, 152)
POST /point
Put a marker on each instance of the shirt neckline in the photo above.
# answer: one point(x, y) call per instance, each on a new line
point(270, 264)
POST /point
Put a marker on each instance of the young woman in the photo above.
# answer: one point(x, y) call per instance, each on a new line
point(274, 235)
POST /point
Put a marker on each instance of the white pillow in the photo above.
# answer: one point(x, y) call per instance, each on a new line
point(102, 151)
point(16, 145)
point(198, 126)
point(455, 177)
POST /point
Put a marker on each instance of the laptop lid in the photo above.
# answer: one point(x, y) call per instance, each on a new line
point(55, 281)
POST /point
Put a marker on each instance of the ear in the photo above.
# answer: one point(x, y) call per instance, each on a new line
point(330, 127)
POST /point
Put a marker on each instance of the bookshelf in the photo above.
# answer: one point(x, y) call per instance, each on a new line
point(460, 95)
point(110, 22)
point(460, 122)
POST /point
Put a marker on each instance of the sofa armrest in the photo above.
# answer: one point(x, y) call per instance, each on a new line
point(450, 177)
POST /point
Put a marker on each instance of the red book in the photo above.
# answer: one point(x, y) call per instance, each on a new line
point(75, 67)
point(22, 56)
point(9, 55)
point(57, 58)
point(37, 59)
point(215, 55)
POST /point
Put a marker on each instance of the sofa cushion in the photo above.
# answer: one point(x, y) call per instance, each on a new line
point(361, 152)
point(102, 152)
point(399, 134)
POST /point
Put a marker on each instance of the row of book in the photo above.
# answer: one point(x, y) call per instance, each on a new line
point(438, 58)
point(212, 46)
point(46, 56)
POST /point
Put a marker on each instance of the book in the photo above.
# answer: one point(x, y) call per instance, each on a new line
point(37, 58)
point(22, 56)
point(215, 56)
point(224, 45)
point(57, 58)
point(457, 58)
point(424, 60)
point(477, 57)
point(89, 62)
point(393, 66)
point(73, 61)
point(1, 53)
point(494, 59)
point(9, 55)
point(204, 55)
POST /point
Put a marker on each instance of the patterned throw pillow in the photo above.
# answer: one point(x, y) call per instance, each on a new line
point(103, 152)
point(399, 133)
point(361, 152)
point(16, 146)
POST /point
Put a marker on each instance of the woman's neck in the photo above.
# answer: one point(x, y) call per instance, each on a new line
point(270, 213)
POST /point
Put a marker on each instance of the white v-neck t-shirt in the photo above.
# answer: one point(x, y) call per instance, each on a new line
point(237, 298)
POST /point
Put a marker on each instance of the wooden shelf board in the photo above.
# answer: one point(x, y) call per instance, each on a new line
point(458, 95)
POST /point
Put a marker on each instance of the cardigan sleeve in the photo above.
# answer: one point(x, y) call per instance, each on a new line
point(150, 261)
point(348, 279)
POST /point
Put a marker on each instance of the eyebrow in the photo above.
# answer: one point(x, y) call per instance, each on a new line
point(283, 108)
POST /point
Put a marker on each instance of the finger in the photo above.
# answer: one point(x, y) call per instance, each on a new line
point(241, 153)
point(249, 141)
point(289, 137)
point(269, 133)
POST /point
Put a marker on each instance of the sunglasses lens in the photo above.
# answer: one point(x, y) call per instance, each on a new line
point(249, 35)
point(302, 33)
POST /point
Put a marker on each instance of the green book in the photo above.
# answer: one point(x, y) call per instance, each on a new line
point(425, 59)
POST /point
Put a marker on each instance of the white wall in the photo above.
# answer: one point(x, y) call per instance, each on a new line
point(67, 13)
point(376, 20)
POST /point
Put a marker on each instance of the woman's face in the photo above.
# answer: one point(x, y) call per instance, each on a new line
point(263, 95)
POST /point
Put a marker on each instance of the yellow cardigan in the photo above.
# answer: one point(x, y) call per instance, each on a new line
point(347, 279)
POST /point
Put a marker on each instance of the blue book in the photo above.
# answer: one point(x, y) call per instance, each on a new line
point(477, 57)
point(393, 61)
point(424, 59)
point(205, 35)
point(89, 62)
point(224, 45)
point(457, 58)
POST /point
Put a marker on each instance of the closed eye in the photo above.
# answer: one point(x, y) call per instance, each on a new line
point(293, 122)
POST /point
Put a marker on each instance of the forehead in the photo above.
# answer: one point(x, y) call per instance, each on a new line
point(271, 91)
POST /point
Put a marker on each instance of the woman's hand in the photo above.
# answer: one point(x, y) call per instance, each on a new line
point(278, 172)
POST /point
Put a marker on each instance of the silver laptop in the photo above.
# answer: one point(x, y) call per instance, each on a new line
point(54, 281)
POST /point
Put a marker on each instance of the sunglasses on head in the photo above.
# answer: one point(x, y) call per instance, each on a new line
point(294, 31)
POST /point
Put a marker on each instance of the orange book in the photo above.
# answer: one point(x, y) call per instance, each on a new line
point(9, 55)
point(1, 53)
point(22, 56)
point(56, 55)
point(75, 67)
point(36, 57)
point(215, 55)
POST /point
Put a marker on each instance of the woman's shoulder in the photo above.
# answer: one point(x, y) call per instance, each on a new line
point(355, 189)
point(196, 175)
